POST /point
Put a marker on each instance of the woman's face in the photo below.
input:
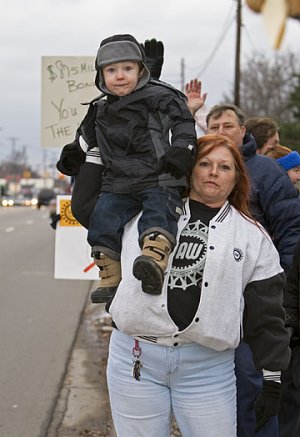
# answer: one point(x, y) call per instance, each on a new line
point(213, 177)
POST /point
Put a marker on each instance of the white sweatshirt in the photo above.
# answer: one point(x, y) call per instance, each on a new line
point(239, 253)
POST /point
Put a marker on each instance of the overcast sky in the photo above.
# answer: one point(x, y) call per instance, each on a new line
point(202, 32)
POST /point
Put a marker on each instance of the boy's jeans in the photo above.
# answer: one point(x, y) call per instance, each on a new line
point(161, 210)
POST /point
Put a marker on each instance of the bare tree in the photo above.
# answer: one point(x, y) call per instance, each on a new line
point(267, 84)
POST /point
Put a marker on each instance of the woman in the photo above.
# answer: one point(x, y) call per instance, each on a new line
point(291, 164)
point(174, 353)
point(288, 159)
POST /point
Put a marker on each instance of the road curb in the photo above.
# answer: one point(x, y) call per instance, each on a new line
point(82, 408)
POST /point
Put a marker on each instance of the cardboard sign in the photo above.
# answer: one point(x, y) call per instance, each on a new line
point(72, 252)
point(67, 82)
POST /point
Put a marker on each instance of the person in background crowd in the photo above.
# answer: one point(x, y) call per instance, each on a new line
point(290, 162)
point(265, 132)
point(275, 204)
point(289, 412)
point(278, 152)
point(288, 159)
point(224, 278)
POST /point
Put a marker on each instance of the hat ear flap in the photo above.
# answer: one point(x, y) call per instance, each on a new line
point(97, 80)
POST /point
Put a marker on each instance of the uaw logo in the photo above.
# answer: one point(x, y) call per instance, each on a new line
point(237, 254)
point(189, 258)
point(66, 215)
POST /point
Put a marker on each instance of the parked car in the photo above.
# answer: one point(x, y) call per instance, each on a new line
point(45, 196)
point(7, 201)
point(18, 200)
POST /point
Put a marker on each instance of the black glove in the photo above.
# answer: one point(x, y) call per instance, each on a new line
point(267, 403)
point(154, 51)
point(71, 158)
point(178, 162)
point(296, 366)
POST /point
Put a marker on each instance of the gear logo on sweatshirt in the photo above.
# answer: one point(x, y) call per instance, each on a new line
point(238, 254)
point(189, 257)
point(66, 215)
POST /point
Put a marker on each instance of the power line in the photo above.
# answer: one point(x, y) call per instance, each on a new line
point(226, 26)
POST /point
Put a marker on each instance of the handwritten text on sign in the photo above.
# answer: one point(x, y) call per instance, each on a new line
point(67, 82)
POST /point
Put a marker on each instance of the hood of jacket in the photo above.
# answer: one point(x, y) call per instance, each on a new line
point(118, 48)
point(249, 147)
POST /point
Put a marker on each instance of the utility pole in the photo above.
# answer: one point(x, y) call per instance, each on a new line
point(182, 74)
point(13, 141)
point(45, 163)
point(237, 53)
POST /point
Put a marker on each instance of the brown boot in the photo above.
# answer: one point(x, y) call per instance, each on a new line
point(110, 276)
point(149, 267)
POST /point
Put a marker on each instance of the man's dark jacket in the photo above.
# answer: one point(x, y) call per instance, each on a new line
point(274, 202)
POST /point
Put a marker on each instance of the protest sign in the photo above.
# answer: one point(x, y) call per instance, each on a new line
point(67, 82)
point(72, 251)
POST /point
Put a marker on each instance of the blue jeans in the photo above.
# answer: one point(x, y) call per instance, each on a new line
point(195, 383)
point(161, 211)
point(249, 385)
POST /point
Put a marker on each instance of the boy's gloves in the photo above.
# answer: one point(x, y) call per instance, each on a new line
point(71, 158)
point(178, 162)
point(154, 56)
point(296, 366)
point(267, 403)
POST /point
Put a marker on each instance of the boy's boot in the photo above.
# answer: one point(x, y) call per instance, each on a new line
point(149, 267)
point(110, 276)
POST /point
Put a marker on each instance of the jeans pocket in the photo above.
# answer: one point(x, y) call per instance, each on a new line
point(174, 203)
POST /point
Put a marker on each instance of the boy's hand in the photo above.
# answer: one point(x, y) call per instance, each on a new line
point(155, 56)
point(193, 92)
point(178, 162)
point(71, 158)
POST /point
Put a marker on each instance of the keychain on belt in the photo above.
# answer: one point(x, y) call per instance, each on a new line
point(137, 364)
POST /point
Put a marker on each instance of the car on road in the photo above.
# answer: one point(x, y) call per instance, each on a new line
point(18, 200)
point(45, 196)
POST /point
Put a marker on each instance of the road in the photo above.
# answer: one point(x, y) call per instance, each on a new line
point(39, 318)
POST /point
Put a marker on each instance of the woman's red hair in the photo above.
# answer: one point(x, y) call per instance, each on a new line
point(240, 195)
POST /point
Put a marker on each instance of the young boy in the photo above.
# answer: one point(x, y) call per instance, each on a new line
point(144, 168)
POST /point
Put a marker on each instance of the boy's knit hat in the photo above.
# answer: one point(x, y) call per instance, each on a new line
point(289, 161)
point(118, 48)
